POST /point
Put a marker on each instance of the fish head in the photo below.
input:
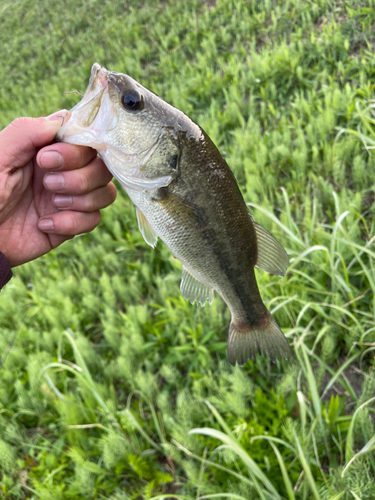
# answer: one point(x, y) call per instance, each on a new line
point(132, 128)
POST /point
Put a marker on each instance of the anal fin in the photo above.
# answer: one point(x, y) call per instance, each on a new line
point(271, 257)
point(194, 290)
point(147, 232)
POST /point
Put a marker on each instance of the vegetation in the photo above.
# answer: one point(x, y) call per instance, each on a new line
point(112, 385)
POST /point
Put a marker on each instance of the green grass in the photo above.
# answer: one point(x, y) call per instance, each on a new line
point(112, 385)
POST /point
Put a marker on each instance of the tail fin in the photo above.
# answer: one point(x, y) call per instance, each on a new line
point(265, 338)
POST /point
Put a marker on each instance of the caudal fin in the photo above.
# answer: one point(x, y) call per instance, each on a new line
point(265, 338)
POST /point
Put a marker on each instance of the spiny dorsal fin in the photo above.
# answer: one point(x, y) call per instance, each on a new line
point(147, 232)
point(194, 290)
point(271, 255)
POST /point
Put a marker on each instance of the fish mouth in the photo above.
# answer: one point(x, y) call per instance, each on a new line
point(98, 74)
point(83, 127)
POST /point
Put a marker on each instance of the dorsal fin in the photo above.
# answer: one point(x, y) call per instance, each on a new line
point(194, 290)
point(147, 232)
point(271, 255)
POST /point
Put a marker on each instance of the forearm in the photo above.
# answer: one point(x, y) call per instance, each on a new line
point(5, 271)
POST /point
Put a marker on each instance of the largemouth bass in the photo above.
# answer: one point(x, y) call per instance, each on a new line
point(186, 195)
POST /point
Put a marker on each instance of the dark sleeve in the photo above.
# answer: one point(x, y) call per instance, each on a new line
point(5, 270)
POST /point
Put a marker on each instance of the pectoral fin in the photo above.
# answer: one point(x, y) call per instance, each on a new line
point(147, 232)
point(194, 290)
point(271, 255)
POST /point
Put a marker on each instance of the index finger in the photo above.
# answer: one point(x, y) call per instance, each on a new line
point(20, 140)
point(64, 156)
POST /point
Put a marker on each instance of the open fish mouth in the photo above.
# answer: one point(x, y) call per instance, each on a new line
point(89, 117)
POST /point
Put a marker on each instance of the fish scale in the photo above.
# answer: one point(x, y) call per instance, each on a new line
point(186, 195)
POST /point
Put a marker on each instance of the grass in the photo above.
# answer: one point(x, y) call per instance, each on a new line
point(112, 385)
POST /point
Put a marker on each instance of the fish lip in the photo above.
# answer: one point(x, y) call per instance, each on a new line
point(102, 76)
point(98, 78)
point(98, 73)
point(97, 88)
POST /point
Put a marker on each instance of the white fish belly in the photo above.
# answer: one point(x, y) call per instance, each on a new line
point(196, 256)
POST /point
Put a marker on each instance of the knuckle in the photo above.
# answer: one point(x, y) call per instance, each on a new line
point(19, 123)
point(113, 191)
point(82, 157)
point(72, 223)
point(100, 198)
point(100, 163)
point(78, 222)
point(93, 220)
point(102, 171)
point(110, 193)
point(108, 174)
point(85, 155)
point(22, 122)
point(97, 218)
point(85, 181)
point(11, 160)
point(90, 203)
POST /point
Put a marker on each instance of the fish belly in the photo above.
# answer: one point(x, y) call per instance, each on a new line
point(183, 239)
point(225, 266)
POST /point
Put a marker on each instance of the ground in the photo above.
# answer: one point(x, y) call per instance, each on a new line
point(112, 385)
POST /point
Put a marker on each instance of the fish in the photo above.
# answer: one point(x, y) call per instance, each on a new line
point(185, 194)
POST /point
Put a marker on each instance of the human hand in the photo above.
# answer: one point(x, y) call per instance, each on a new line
point(48, 192)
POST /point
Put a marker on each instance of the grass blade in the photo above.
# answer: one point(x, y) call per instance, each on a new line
point(221, 495)
point(306, 468)
point(349, 438)
point(338, 495)
point(284, 472)
point(369, 446)
point(213, 464)
point(338, 373)
point(237, 448)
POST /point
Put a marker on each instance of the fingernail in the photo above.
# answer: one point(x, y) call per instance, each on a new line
point(59, 115)
point(54, 182)
point(51, 160)
point(45, 224)
point(62, 201)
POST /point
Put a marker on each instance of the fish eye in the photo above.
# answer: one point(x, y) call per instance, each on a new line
point(131, 100)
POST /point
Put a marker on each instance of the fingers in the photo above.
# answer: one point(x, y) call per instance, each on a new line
point(69, 223)
point(81, 187)
point(20, 140)
point(96, 200)
point(81, 216)
point(80, 181)
point(63, 156)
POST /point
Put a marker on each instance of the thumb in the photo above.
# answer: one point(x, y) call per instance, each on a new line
point(21, 140)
